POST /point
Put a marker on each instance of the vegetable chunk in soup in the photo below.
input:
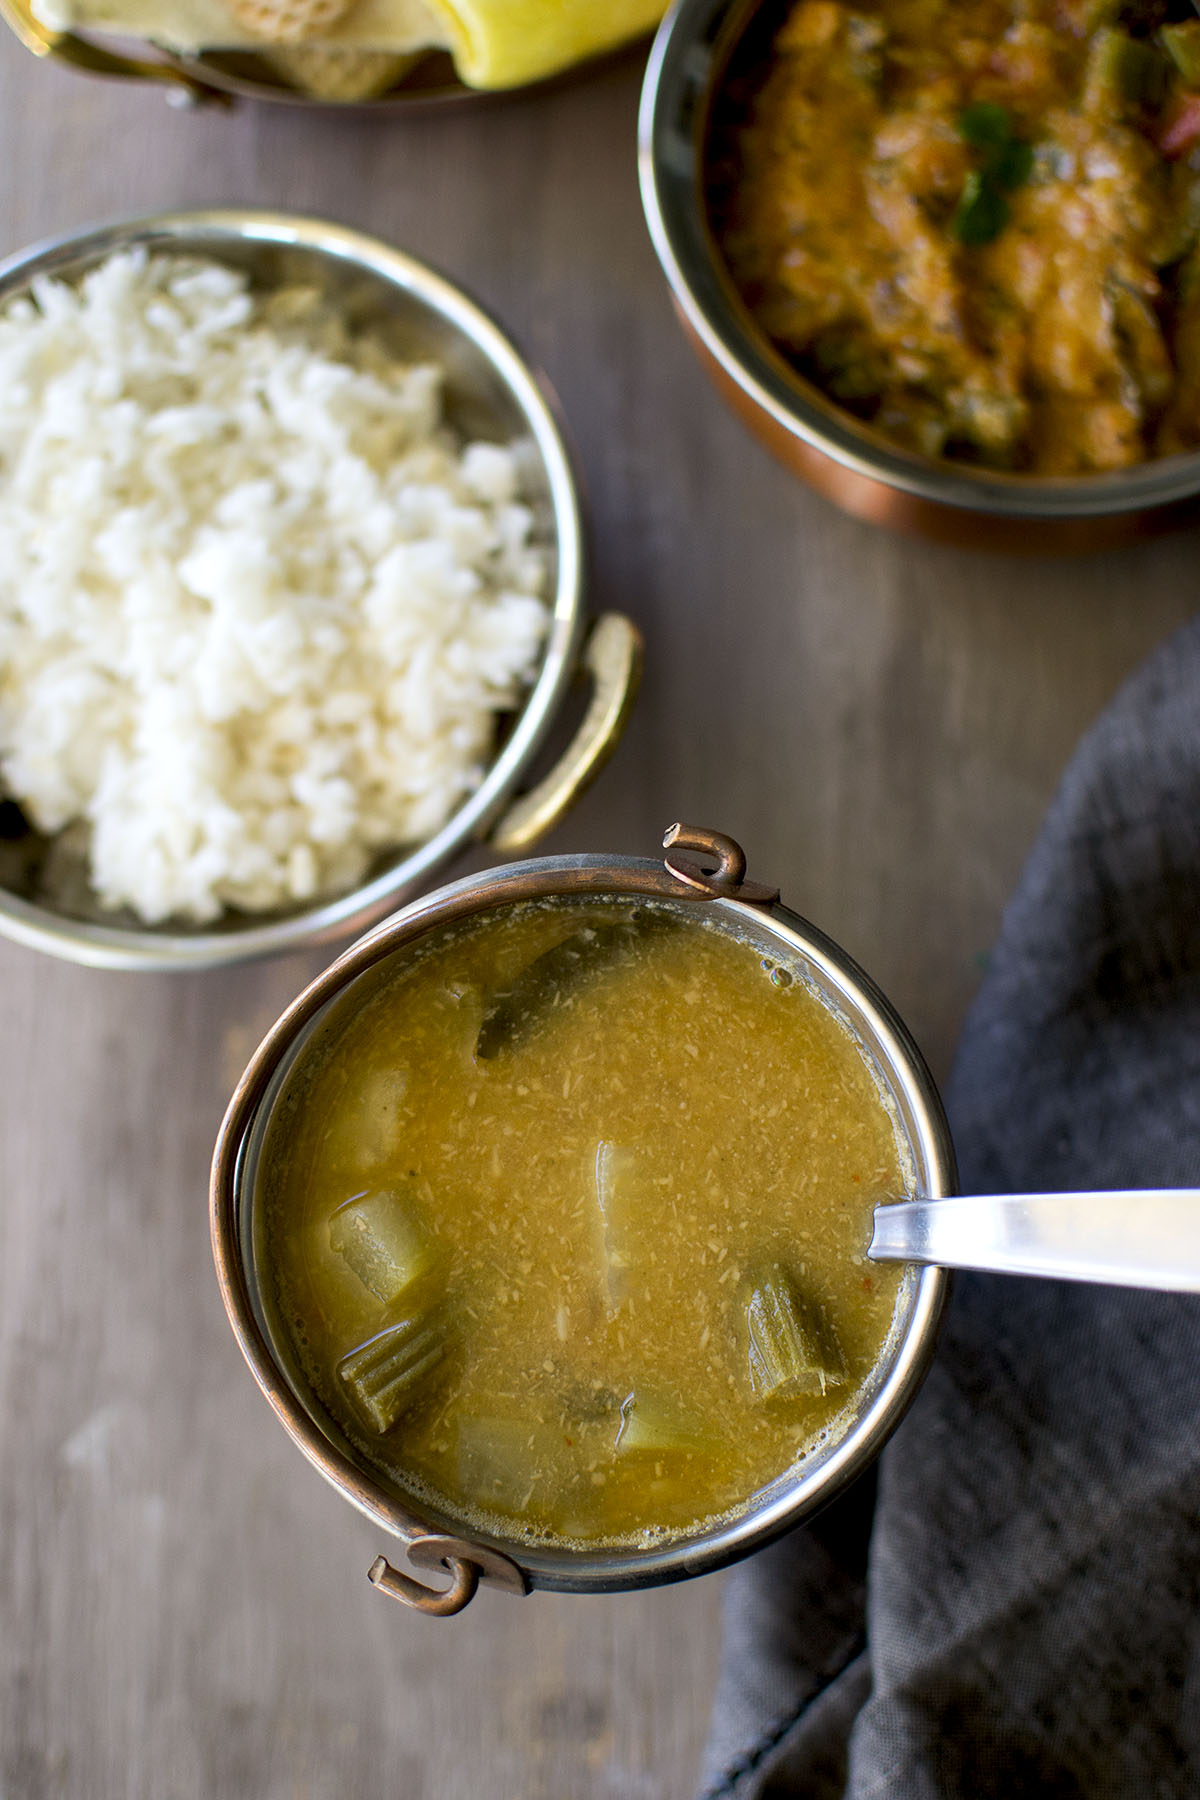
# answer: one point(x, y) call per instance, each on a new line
point(567, 1221)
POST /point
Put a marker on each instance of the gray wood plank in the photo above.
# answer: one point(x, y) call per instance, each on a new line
point(881, 722)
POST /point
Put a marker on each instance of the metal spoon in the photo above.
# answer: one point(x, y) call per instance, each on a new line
point(1131, 1237)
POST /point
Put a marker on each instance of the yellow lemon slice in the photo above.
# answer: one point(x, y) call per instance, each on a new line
point(503, 43)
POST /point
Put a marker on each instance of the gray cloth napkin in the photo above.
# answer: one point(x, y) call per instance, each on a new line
point(1013, 1607)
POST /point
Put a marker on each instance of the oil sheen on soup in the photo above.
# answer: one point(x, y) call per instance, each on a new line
point(567, 1221)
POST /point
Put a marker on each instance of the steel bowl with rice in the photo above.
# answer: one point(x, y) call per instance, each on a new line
point(491, 403)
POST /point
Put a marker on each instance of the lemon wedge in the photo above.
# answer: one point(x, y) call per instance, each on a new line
point(504, 43)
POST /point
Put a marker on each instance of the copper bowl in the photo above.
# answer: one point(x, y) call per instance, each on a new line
point(703, 870)
point(858, 469)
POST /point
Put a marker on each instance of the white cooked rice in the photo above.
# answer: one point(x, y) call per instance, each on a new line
point(258, 609)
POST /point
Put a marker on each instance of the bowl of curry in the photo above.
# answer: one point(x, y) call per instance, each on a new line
point(541, 1220)
point(944, 258)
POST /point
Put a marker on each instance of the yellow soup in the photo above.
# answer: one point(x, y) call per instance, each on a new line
point(567, 1221)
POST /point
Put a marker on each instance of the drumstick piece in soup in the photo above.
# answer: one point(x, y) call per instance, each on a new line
point(596, 1273)
point(973, 223)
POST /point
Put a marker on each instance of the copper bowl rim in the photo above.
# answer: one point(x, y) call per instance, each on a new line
point(793, 1495)
point(683, 76)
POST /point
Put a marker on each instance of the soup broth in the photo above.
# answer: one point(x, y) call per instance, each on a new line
point(566, 1223)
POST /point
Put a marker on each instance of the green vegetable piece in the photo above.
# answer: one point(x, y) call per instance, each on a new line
point(866, 43)
point(1187, 288)
point(985, 125)
point(615, 1184)
point(1101, 12)
point(512, 1013)
point(1011, 166)
point(651, 1426)
point(849, 366)
point(981, 214)
point(380, 1237)
point(367, 1131)
point(992, 420)
point(1123, 74)
point(385, 1376)
point(1182, 44)
point(1143, 352)
point(502, 1460)
point(1179, 226)
point(791, 1348)
point(586, 1404)
point(464, 1007)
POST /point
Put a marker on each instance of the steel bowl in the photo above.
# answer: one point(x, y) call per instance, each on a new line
point(490, 393)
point(704, 870)
point(857, 468)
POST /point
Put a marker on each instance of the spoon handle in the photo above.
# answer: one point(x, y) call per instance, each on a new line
point(1132, 1237)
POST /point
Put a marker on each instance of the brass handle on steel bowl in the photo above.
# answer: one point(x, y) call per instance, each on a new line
point(440, 1603)
point(65, 47)
point(612, 657)
point(466, 1564)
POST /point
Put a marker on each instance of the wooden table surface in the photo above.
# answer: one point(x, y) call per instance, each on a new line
point(183, 1603)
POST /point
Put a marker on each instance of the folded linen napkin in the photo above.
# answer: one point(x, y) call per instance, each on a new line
point(1012, 1608)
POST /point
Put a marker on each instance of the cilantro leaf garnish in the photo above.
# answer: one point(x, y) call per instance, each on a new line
point(981, 214)
point(985, 125)
point(1005, 163)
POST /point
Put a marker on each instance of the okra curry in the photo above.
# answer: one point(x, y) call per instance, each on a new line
point(567, 1221)
point(973, 223)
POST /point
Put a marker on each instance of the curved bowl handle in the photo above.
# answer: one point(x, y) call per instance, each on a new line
point(612, 657)
point(78, 53)
point(438, 1603)
point(466, 1564)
